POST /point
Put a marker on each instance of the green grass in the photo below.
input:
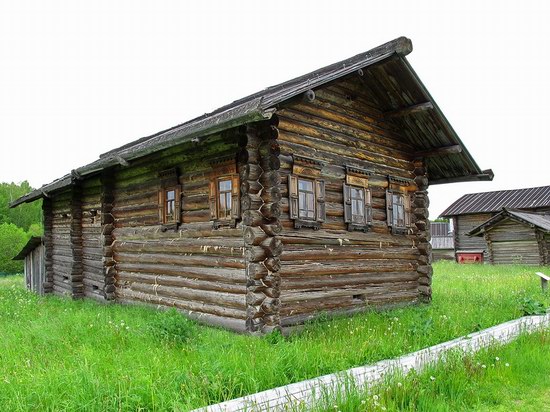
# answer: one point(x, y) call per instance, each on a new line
point(57, 354)
point(513, 377)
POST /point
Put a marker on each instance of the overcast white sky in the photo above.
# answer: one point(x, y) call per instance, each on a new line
point(78, 78)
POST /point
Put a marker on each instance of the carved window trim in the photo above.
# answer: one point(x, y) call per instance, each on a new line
point(169, 183)
point(357, 180)
point(224, 170)
point(306, 170)
point(398, 199)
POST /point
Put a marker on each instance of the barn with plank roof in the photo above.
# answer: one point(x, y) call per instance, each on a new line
point(307, 197)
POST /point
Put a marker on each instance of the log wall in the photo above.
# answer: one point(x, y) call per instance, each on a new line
point(512, 242)
point(195, 268)
point(331, 269)
point(464, 224)
point(61, 250)
point(92, 265)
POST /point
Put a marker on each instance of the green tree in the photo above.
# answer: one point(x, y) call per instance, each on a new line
point(23, 215)
point(12, 240)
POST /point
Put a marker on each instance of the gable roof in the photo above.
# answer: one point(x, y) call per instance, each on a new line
point(529, 198)
point(539, 220)
point(393, 81)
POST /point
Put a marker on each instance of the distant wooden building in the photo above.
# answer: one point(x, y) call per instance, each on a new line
point(307, 197)
point(516, 237)
point(474, 209)
point(33, 255)
point(442, 241)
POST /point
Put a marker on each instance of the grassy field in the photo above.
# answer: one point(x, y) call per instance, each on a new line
point(57, 354)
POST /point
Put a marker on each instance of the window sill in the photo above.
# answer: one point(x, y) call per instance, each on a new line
point(300, 223)
point(217, 224)
point(360, 228)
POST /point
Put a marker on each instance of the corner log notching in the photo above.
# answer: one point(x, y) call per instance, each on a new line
point(260, 198)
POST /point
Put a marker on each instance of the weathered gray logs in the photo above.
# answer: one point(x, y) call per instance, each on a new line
point(420, 212)
point(48, 244)
point(261, 194)
point(76, 276)
point(107, 239)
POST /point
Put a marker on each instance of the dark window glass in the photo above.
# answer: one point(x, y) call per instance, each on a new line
point(224, 198)
point(169, 205)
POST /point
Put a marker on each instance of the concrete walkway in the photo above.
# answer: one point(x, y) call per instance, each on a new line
point(307, 392)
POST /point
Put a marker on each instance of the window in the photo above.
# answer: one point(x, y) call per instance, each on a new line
point(224, 200)
point(357, 199)
point(398, 206)
point(357, 207)
point(306, 201)
point(169, 205)
point(169, 199)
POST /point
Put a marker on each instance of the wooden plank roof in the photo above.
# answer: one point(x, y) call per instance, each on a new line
point(387, 73)
point(33, 242)
point(528, 198)
point(540, 220)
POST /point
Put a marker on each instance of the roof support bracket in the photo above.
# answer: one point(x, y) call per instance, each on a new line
point(439, 151)
point(405, 111)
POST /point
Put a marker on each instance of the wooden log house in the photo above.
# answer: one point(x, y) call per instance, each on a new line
point(474, 209)
point(516, 237)
point(307, 197)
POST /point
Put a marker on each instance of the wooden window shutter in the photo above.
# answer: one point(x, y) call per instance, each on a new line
point(235, 198)
point(389, 207)
point(212, 199)
point(177, 204)
point(293, 196)
point(161, 206)
point(408, 214)
point(347, 203)
point(368, 206)
point(320, 200)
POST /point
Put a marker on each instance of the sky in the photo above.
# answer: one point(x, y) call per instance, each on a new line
point(78, 78)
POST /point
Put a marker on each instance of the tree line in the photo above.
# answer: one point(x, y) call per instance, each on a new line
point(17, 225)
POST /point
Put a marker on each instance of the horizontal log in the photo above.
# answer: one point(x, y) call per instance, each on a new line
point(218, 272)
point(128, 278)
point(201, 309)
point(254, 235)
point(350, 280)
point(224, 300)
point(182, 247)
point(347, 253)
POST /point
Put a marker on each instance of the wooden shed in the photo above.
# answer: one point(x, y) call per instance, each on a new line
point(33, 255)
point(516, 237)
point(307, 197)
point(474, 209)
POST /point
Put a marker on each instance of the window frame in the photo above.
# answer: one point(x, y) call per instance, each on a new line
point(398, 189)
point(228, 219)
point(318, 192)
point(366, 206)
point(169, 182)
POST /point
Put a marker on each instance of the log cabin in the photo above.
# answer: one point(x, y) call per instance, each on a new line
point(474, 209)
point(307, 197)
point(516, 237)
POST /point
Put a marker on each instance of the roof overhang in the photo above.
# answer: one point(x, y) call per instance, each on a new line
point(446, 156)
